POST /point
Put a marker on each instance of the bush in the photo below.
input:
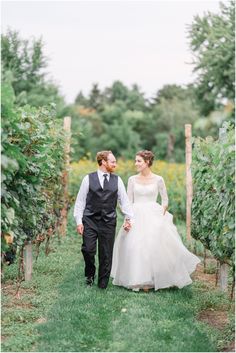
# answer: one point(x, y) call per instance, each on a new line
point(214, 194)
point(32, 164)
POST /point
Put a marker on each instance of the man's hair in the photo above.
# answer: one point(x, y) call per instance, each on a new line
point(102, 155)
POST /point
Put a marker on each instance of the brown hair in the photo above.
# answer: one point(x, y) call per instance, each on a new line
point(148, 156)
point(102, 155)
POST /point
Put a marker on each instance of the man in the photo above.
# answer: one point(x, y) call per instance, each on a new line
point(95, 214)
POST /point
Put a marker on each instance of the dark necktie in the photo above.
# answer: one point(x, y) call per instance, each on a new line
point(105, 184)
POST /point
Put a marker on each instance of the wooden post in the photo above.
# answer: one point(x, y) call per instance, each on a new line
point(65, 177)
point(28, 261)
point(222, 134)
point(204, 260)
point(189, 186)
point(223, 267)
point(223, 277)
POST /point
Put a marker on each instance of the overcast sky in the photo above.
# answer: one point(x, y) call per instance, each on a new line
point(142, 42)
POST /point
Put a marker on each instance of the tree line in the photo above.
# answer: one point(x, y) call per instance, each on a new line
point(121, 118)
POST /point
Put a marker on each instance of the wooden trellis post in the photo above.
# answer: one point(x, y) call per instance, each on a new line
point(223, 267)
point(65, 177)
point(28, 261)
point(189, 185)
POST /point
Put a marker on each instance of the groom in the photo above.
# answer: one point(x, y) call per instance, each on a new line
point(95, 215)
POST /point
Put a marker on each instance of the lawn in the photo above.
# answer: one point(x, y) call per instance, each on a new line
point(57, 312)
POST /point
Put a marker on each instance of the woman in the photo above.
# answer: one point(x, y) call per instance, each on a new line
point(151, 254)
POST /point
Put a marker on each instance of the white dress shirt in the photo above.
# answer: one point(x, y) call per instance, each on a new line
point(80, 202)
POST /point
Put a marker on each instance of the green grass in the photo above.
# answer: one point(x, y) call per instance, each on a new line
point(89, 319)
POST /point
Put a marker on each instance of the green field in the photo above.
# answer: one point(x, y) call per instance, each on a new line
point(57, 312)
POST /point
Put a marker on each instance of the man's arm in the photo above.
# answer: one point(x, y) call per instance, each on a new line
point(80, 204)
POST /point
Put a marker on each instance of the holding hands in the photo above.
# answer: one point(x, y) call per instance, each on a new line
point(127, 225)
point(164, 210)
point(80, 229)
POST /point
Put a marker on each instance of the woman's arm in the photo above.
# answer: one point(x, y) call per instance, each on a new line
point(163, 192)
point(130, 190)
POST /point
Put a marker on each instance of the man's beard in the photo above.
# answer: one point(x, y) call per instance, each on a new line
point(110, 169)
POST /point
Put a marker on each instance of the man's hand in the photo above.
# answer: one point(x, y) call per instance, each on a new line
point(127, 225)
point(165, 209)
point(80, 229)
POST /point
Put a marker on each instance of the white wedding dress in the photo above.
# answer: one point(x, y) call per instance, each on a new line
point(151, 254)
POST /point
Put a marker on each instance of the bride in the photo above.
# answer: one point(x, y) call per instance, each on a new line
point(151, 254)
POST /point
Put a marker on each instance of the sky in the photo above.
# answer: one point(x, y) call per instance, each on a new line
point(137, 42)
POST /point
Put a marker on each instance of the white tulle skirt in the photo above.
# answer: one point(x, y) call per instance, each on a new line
point(151, 254)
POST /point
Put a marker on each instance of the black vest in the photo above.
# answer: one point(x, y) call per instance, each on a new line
point(101, 204)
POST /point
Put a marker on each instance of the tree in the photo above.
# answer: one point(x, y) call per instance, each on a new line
point(95, 97)
point(170, 117)
point(121, 119)
point(170, 92)
point(81, 99)
point(118, 91)
point(212, 41)
point(26, 61)
point(135, 99)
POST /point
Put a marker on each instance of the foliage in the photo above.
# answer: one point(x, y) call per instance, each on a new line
point(32, 165)
point(173, 174)
point(122, 120)
point(209, 126)
point(213, 207)
point(169, 119)
point(169, 92)
point(27, 63)
point(212, 40)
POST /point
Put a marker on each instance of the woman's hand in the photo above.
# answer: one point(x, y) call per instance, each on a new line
point(164, 210)
point(127, 225)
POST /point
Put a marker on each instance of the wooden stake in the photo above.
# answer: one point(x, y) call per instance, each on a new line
point(28, 262)
point(223, 277)
point(232, 293)
point(189, 186)
point(204, 260)
point(65, 177)
point(223, 268)
point(217, 273)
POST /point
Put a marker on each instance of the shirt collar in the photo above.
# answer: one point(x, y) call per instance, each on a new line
point(100, 173)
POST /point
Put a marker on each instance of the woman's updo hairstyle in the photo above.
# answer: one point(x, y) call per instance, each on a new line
point(148, 156)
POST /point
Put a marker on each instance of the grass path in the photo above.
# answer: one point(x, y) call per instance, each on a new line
point(66, 316)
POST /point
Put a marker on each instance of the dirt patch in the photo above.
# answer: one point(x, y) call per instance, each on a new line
point(20, 299)
point(19, 304)
point(208, 279)
point(10, 290)
point(41, 320)
point(216, 318)
point(230, 348)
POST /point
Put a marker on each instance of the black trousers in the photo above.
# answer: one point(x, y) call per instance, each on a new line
point(104, 232)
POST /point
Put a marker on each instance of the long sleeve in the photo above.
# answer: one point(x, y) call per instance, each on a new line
point(123, 200)
point(130, 190)
point(81, 200)
point(163, 192)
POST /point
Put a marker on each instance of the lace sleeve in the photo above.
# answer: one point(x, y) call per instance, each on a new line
point(130, 190)
point(163, 192)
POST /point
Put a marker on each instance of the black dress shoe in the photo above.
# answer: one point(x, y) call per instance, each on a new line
point(89, 281)
point(102, 285)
